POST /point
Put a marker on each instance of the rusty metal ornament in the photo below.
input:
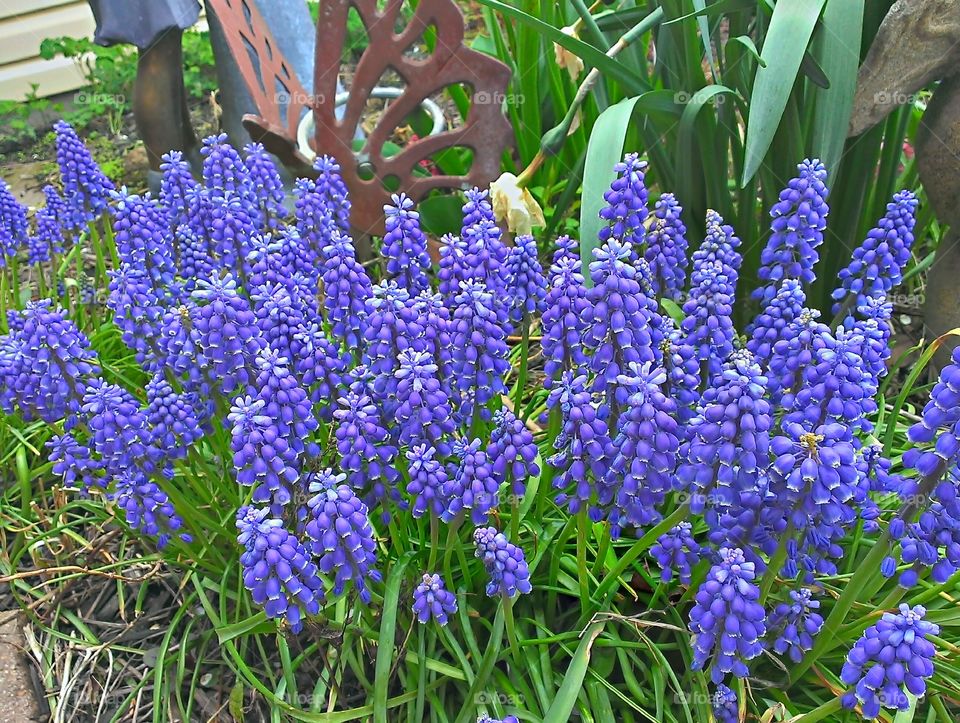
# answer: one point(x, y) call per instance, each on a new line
point(485, 130)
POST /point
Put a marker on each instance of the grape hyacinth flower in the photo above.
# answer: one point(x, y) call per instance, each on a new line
point(798, 622)
point(646, 449)
point(617, 324)
point(366, 452)
point(225, 331)
point(171, 417)
point(224, 172)
point(676, 552)
point(666, 250)
point(279, 318)
point(799, 220)
point(286, 402)
point(452, 268)
point(471, 484)
point(142, 238)
point(392, 327)
point(85, 186)
point(138, 309)
point(405, 246)
point(625, 208)
point(74, 463)
point(681, 362)
point(423, 409)
point(14, 228)
point(775, 322)
point(176, 187)
point(333, 191)
point(512, 452)
point(340, 534)
point(719, 244)
point(347, 291)
point(434, 327)
point(727, 620)
point(484, 254)
point(526, 284)
point(266, 182)
point(428, 477)
point(794, 353)
point(118, 427)
point(878, 263)
point(892, 655)
point(277, 569)
point(262, 456)
point(146, 507)
point(724, 705)
point(52, 362)
point(563, 319)
point(708, 322)
point(321, 367)
point(583, 449)
point(505, 719)
point(504, 562)
point(432, 600)
point(480, 351)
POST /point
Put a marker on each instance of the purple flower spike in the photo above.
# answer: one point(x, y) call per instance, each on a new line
point(583, 449)
point(366, 452)
point(118, 427)
point(224, 172)
point(626, 203)
point(142, 238)
point(719, 244)
point(266, 182)
point(505, 719)
point(340, 534)
point(667, 249)
point(891, 658)
point(427, 480)
point(432, 600)
point(727, 621)
point(286, 402)
point(347, 291)
point(708, 325)
point(85, 186)
point(14, 228)
point(423, 409)
point(147, 508)
point(724, 705)
point(525, 280)
point(878, 263)
point(485, 255)
point(471, 484)
point(794, 353)
point(504, 562)
point(799, 220)
point(405, 246)
point(172, 417)
point(333, 191)
point(176, 188)
point(48, 363)
point(646, 444)
point(321, 367)
point(676, 551)
point(774, 323)
point(798, 622)
point(452, 268)
point(563, 321)
point(277, 569)
point(480, 351)
point(74, 463)
point(262, 456)
point(512, 451)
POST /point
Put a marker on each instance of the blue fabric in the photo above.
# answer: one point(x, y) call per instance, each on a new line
point(140, 22)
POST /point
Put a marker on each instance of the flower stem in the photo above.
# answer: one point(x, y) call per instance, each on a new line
point(775, 563)
point(583, 527)
point(511, 630)
point(522, 373)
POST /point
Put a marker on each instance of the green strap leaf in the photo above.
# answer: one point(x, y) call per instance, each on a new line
point(604, 151)
point(837, 49)
point(562, 705)
point(788, 36)
point(388, 627)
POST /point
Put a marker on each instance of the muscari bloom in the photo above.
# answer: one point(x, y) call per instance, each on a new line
point(432, 600)
point(878, 263)
point(666, 250)
point(484, 254)
point(719, 244)
point(85, 187)
point(727, 620)
point(347, 291)
point(797, 623)
point(224, 172)
point(340, 534)
point(775, 322)
point(626, 204)
point(676, 552)
point(392, 327)
point(146, 507)
point(563, 319)
point(262, 456)
point(405, 246)
point(506, 566)
point(266, 182)
point(14, 228)
point(451, 268)
point(512, 452)
point(118, 427)
point(277, 569)
point(724, 705)
point(74, 463)
point(321, 367)
point(526, 283)
point(286, 402)
point(892, 657)
point(138, 309)
point(708, 322)
point(423, 408)
point(471, 484)
point(480, 357)
point(646, 449)
point(799, 220)
point(142, 236)
point(428, 477)
point(172, 417)
point(583, 448)
point(332, 191)
point(366, 451)
point(176, 185)
point(791, 355)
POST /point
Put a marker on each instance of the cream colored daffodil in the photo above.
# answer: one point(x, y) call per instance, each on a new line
point(515, 205)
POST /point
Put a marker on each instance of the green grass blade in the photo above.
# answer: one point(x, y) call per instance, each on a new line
point(791, 28)
point(566, 698)
point(388, 626)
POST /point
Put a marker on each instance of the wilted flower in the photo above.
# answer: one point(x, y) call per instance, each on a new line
point(515, 205)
